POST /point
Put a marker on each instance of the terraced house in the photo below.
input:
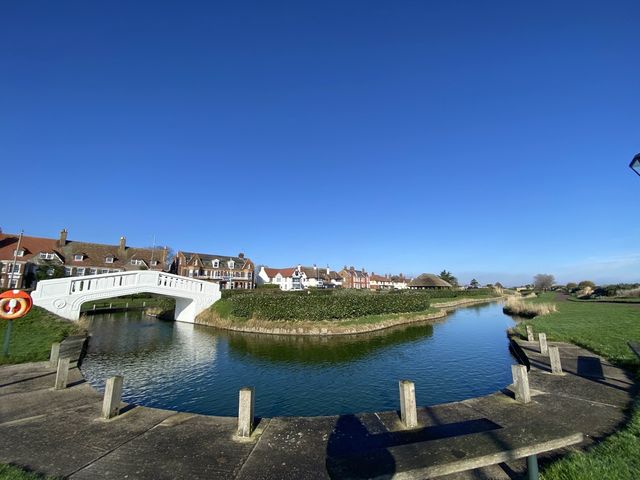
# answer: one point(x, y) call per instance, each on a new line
point(38, 257)
point(352, 278)
point(229, 272)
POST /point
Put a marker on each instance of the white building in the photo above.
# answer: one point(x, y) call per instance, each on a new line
point(299, 278)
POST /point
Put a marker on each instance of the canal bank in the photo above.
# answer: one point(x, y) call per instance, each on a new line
point(59, 432)
point(337, 327)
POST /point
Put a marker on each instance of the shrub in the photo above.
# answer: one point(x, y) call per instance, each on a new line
point(527, 309)
point(304, 306)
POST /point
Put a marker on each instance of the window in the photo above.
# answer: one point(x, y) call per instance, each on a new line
point(108, 259)
point(104, 270)
point(13, 269)
point(136, 261)
point(19, 253)
point(46, 256)
point(231, 264)
point(68, 271)
point(216, 263)
point(78, 257)
point(154, 263)
point(80, 271)
point(93, 271)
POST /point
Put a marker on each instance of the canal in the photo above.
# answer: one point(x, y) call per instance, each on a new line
point(200, 369)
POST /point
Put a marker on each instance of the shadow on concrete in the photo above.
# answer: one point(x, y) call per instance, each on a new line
point(351, 442)
point(27, 379)
point(590, 367)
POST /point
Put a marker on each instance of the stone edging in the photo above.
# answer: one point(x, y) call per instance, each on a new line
point(334, 328)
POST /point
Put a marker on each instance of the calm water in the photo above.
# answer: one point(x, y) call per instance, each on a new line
point(200, 369)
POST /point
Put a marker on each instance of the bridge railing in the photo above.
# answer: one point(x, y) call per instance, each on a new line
point(108, 281)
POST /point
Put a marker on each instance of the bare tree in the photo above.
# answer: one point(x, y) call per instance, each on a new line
point(543, 281)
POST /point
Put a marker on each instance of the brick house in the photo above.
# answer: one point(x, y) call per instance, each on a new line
point(229, 272)
point(73, 258)
point(352, 278)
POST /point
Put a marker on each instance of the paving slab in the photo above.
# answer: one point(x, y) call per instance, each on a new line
point(183, 446)
point(66, 440)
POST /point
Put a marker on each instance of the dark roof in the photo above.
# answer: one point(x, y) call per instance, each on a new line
point(429, 280)
point(207, 258)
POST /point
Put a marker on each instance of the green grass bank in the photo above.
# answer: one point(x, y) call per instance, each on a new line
point(33, 334)
point(604, 329)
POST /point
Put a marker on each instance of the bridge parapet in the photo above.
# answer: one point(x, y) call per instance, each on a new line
point(65, 296)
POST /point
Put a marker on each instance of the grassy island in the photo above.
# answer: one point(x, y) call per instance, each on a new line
point(333, 311)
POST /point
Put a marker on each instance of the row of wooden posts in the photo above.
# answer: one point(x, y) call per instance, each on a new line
point(519, 372)
point(408, 406)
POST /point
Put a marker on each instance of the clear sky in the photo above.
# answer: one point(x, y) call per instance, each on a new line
point(488, 138)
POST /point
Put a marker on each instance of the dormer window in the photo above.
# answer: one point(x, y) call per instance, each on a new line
point(154, 263)
point(78, 257)
point(46, 256)
point(108, 259)
point(19, 253)
point(136, 261)
point(216, 263)
point(231, 264)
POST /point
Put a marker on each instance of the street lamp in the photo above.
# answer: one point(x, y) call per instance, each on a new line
point(635, 164)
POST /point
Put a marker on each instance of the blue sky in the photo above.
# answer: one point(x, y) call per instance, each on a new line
point(488, 138)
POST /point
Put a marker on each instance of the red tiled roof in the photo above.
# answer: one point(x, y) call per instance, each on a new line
point(32, 246)
point(285, 272)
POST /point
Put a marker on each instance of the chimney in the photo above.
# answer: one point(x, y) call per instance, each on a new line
point(123, 245)
point(328, 270)
point(241, 255)
point(62, 241)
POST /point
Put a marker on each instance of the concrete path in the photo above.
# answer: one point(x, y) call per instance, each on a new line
point(60, 433)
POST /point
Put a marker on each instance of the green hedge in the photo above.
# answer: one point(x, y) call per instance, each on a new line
point(304, 306)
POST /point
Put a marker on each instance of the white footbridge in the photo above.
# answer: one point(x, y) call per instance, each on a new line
point(65, 296)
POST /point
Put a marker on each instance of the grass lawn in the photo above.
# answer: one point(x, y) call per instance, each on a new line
point(33, 335)
point(9, 472)
point(604, 329)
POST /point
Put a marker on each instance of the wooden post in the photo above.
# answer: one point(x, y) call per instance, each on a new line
point(408, 410)
point(521, 383)
point(530, 336)
point(126, 305)
point(112, 397)
point(245, 411)
point(62, 375)
point(94, 306)
point(110, 305)
point(542, 338)
point(554, 357)
point(55, 354)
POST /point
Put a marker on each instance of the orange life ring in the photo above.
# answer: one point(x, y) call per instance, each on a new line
point(14, 304)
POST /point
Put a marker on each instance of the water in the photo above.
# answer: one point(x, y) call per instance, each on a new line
point(200, 369)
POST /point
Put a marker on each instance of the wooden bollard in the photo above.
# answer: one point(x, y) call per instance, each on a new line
point(245, 411)
point(62, 375)
point(544, 348)
point(55, 354)
point(408, 410)
point(530, 336)
point(521, 383)
point(554, 357)
point(112, 397)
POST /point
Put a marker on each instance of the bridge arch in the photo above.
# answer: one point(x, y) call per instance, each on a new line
point(65, 296)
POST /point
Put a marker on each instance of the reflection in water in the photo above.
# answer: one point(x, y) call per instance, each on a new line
point(308, 349)
point(200, 369)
